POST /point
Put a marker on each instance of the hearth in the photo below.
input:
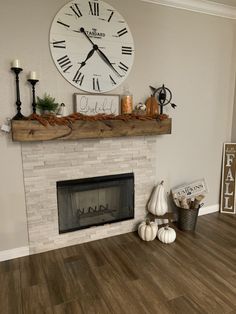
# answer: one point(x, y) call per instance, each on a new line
point(95, 201)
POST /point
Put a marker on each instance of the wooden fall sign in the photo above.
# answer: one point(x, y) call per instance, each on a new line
point(228, 179)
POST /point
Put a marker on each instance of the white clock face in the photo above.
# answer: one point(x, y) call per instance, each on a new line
point(91, 45)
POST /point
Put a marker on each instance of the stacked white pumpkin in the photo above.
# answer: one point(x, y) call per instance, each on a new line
point(157, 206)
point(158, 201)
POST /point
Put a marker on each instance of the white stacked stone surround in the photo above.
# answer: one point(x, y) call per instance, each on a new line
point(45, 163)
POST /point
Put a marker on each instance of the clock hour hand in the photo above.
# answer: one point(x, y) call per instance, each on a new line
point(102, 55)
point(91, 52)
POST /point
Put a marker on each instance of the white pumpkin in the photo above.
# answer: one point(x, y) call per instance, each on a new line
point(158, 201)
point(166, 235)
point(147, 230)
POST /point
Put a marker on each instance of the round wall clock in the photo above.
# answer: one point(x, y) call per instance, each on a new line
point(91, 45)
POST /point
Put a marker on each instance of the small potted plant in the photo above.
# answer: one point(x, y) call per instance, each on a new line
point(46, 105)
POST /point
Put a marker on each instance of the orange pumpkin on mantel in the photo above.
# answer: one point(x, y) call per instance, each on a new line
point(152, 108)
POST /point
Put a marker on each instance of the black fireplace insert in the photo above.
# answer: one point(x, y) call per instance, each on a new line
point(95, 201)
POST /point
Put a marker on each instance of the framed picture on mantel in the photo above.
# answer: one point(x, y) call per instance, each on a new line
point(228, 199)
point(92, 104)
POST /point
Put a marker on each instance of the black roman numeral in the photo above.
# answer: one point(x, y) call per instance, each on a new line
point(110, 16)
point(96, 85)
point(76, 10)
point(112, 80)
point(59, 44)
point(78, 78)
point(123, 67)
point(66, 25)
point(122, 32)
point(126, 50)
point(65, 63)
point(94, 8)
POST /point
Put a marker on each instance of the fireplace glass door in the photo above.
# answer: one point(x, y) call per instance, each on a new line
point(95, 201)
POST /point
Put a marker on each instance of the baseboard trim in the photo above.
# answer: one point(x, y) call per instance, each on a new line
point(14, 253)
point(200, 6)
point(209, 209)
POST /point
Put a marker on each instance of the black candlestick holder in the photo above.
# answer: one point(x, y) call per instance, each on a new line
point(33, 83)
point(19, 115)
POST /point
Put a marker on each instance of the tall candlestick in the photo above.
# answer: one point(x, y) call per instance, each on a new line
point(33, 83)
point(15, 63)
point(16, 69)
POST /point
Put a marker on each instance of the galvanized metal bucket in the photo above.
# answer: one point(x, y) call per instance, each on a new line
point(187, 218)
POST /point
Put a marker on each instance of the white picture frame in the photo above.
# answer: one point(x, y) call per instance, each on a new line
point(192, 189)
point(92, 104)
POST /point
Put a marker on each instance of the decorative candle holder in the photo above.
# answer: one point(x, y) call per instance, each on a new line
point(19, 115)
point(33, 83)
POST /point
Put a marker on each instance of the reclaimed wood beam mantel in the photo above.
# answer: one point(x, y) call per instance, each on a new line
point(30, 130)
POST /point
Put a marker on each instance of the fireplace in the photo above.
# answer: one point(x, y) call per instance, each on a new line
point(95, 201)
point(46, 163)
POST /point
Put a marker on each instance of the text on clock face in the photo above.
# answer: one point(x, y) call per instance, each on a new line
point(91, 45)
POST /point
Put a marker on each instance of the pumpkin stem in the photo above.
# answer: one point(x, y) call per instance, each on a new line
point(162, 182)
point(166, 227)
point(148, 222)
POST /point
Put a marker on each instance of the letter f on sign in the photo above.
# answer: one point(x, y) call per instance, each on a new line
point(229, 159)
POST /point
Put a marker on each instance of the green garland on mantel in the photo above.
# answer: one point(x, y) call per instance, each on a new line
point(54, 120)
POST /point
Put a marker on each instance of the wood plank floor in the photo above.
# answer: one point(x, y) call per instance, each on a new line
point(122, 274)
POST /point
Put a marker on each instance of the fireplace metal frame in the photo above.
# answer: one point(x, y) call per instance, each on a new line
point(106, 178)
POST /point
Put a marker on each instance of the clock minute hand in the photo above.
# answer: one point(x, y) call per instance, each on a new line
point(102, 55)
point(82, 30)
point(107, 61)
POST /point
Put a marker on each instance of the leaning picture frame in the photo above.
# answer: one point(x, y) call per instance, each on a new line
point(228, 186)
point(192, 189)
point(92, 104)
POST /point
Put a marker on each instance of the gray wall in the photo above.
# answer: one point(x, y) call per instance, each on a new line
point(233, 137)
point(190, 52)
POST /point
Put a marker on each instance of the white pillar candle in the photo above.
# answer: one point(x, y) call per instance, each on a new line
point(33, 75)
point(15, 63)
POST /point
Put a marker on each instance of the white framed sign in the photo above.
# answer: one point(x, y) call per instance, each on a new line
point(227, 202)
point(191, 190)
point(91, 105)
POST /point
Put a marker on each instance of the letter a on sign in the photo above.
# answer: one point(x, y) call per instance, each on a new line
point(227, 204)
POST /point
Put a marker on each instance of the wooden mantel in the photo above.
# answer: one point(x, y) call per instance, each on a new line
point(30, 130)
